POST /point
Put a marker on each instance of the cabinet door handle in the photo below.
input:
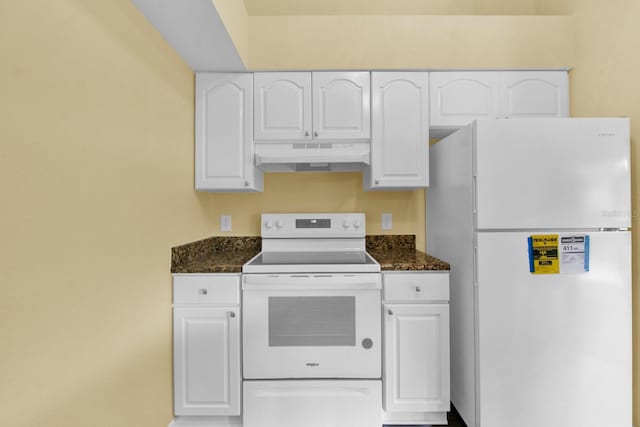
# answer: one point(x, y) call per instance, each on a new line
point(202, 291)
point(246, 183)
point(390, 312)
point(306, 133)
point(377, 181)
point(315, 134)
point(232, 314)
point(418, 289)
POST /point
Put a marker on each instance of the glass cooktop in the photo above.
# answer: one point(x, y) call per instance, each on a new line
point(311, 261)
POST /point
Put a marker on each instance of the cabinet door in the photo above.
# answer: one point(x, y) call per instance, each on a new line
point(400, 137)
point(206, 361)
point(458, 98)
point(534, 94)
point(416, 377)
point(282, 106)
point(341, 105)
point(224, 146)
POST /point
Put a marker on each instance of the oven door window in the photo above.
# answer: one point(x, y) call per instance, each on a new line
point(312, 321)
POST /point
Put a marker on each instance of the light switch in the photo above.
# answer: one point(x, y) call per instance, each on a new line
point(387, 221)
point(225, 222)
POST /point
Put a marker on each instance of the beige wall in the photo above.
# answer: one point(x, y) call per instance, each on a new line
point(234, 16)
point(96, 178)
point(394, 7)
point(605, 82)
point(322, 192)
point(335, 42)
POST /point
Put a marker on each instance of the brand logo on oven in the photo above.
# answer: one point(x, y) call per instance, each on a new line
point(312, 364)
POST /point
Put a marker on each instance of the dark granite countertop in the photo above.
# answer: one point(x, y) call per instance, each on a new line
point(214, 255)
point(399, 253)
point(228, 254)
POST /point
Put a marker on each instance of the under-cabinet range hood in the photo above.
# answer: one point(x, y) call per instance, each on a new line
point(310, 157)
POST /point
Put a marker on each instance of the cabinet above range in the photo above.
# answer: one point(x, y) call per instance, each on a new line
point(312, 106)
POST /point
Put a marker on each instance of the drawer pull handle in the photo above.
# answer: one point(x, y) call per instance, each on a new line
point(202, 291)
point(390, 312)
point(418, 289)
point(232, 314)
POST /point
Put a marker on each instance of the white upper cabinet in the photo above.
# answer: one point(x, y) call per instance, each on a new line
point(341, 105)
point(282, 106)
point(457, 98)
point(304, 106)
point(400, 136)
point(224, 144)
point(463, 96)
point(534, 94)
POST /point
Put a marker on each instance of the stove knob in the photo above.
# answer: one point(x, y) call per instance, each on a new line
point(345, 223)
point(356, 223)
point(279, 223)
point(268, 224)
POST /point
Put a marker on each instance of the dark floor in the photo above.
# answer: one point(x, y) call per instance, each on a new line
point(453, 420)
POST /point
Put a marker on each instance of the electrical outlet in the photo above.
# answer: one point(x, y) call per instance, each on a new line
point(225, 222)
point(387, 221)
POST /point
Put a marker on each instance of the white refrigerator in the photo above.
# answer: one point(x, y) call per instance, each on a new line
point(534, 217)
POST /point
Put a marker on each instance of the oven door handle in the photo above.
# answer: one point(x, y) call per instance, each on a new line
point(298, 282)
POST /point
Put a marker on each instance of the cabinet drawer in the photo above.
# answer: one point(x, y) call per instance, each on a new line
point(210, 289)
point(410, 287)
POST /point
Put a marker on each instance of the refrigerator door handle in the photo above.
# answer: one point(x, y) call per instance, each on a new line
point(475, 266)
point(475, 194)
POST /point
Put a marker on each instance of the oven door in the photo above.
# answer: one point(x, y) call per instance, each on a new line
point(311, 326)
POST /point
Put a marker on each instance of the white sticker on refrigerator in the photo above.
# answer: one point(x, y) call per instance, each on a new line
point(574, 254)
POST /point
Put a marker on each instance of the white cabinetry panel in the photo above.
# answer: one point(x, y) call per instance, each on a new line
point(400, 137)
point(282, 106)
point(301, 106)
point(534, 94)
point(341, 105)
point(207, 361)
point(464, 96)
point(416, 357)
point(459, 97)
point(224, 146)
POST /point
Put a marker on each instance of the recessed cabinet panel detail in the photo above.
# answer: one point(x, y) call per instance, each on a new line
point(282, 106)
point(400, 136)
point(530, 94)
point(305, 106)
point(341, 105)
point(223, 116)
point(459, 97)
point(224, 143)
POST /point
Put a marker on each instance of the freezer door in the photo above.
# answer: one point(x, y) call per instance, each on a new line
point(552, 173)
point(554, 348)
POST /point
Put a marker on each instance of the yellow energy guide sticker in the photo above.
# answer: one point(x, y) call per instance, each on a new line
point(543, 254)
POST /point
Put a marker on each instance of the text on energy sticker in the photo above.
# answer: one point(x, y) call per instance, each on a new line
point(543, 254)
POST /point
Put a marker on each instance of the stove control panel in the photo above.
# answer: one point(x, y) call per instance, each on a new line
point(328, 225)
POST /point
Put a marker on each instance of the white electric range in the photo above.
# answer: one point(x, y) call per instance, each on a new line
point(312, 345)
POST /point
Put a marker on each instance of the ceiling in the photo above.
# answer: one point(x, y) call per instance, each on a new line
point(392, 7)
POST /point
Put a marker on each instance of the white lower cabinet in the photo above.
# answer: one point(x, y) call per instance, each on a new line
point(206, 338)
point(416, 350)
